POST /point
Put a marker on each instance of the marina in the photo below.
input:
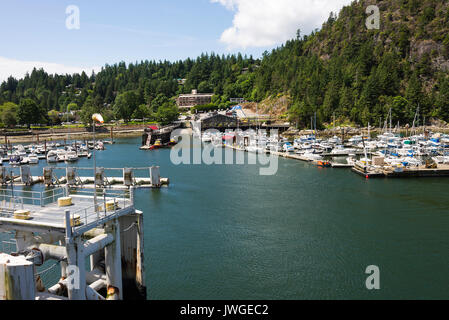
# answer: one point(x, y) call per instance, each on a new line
point(191, 156)
point(386, 155)
point(202, 250)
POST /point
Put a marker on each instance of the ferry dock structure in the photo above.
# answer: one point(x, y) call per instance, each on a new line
point(72, 227)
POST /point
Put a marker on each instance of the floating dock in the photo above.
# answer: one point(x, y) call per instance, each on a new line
point(415, 172)
point(442, 170)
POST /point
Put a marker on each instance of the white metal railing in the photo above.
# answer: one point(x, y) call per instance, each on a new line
point(7, 242)
point(12, 198)
point(89, 216)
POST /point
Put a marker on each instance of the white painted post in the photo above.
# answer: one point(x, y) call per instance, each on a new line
point(95, 258)
point(81, 264)
point(113, 264)
point(155, 176)
point(131, 196)
point(140, 270)
point(73, 288)
point(16, 278)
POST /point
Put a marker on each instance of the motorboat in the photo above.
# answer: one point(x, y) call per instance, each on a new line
point(156, 145)
point(341, 150)
point(61, 155)
point(33, 159)
point(206, 138)
point(15, 160)
point(441, 159)
point(324, 164)
point(351, 160)
point(99, 146)
point(25, 160)
point(288, 147)
point(71, 156)
point(310, 156)
point(52, 156)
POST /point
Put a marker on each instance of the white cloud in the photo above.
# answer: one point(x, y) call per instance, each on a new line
point(263, 23)
point(18, 68)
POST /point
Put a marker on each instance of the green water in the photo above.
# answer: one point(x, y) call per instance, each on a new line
point(224, 232)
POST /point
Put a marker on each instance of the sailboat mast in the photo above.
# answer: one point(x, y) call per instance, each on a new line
point(391, 121)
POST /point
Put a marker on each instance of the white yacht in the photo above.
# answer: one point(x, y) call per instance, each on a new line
point(288, 147)
point(25, 160)
point(61, 155)
point(71, 156)
point(206, 138)
point(33, 159)
point(52, 156)
point(341, 150)
point(310, 156)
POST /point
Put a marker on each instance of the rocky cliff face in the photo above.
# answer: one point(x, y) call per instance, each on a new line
point(419, 29)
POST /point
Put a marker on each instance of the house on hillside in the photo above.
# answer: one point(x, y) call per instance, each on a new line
point(187, 101)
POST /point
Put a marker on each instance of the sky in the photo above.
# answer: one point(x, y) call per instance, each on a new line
point(46, 34)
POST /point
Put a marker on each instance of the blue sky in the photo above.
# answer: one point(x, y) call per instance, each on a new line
point(35, 33)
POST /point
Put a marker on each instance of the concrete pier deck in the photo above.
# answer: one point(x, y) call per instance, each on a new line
point(52, 217)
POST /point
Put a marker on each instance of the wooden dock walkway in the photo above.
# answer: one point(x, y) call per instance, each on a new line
point(419, 172)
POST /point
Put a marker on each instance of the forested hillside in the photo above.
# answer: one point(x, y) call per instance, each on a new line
point(343, 69)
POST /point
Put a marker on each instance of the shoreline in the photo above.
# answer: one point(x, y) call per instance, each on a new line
point(73, 136)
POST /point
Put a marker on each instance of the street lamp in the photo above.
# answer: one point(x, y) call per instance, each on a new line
point(96, 117)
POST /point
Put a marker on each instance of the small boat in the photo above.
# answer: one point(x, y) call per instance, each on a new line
point(351, 160)
point(156, 145)
point(52, 156)
point(20, 151)
point(288, 147)
point(309, 156)
point(33, 159)
point(206, 138)
point(15, 160)
point(99, 146)
point(323, 164)
point(61, 155)
point(71, 156)
point(25, 160)
point(172, 142)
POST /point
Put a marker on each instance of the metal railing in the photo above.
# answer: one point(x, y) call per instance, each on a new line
point(7, 242)
point(109, 203)
point(14, 198)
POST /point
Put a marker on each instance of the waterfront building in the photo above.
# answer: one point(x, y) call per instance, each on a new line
point(194, 99)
